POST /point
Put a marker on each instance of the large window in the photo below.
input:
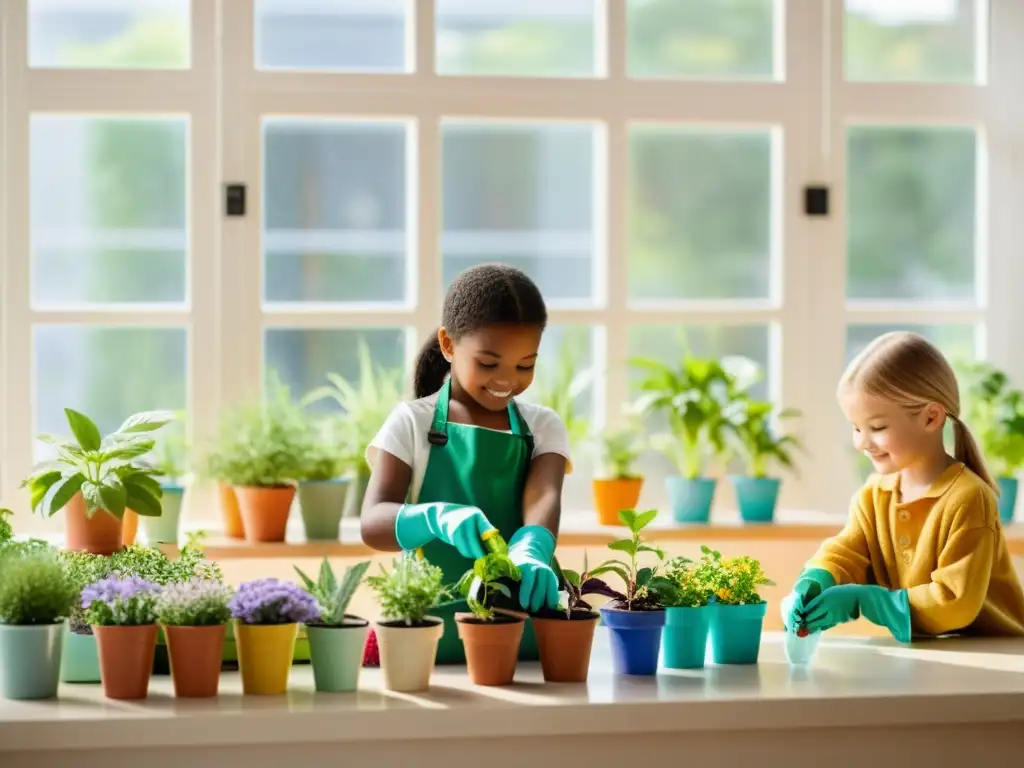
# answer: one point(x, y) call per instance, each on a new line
point(643, 160)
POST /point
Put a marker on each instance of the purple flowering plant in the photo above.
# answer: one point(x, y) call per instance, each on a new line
point(195, 603)
point(272, 601)
point(120, 602)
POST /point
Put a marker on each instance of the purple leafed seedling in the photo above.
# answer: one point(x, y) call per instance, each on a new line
point(577, 585)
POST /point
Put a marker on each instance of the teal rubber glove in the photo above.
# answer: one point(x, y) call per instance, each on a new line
point(812, 582)
point(456, 524)
point(531, 549)
point(885, 607)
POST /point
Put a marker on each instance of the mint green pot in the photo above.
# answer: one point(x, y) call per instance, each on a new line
point(30, 660)
point(356, 492)
point(81, 662)
point(321, 504)
point(736, 633)
point(337, 655)
point(684, 639)
point(165, 529)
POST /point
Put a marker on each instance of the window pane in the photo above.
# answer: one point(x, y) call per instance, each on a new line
point(136, 34)
point(106, 373)
point(913, 40)
point(700, 213)
point(702, 38)
point(302, 358)
point(108, 218)
point(911, 217)
point(516, 37)
point(331, 35)
point(334, 211)
point(522, 195)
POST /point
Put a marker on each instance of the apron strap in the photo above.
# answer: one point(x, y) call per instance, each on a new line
point(520, 427)
point(438, 433)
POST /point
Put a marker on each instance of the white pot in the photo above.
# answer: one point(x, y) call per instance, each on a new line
point(407, 654)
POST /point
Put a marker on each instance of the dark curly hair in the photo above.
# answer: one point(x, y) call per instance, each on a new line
point(482, 296)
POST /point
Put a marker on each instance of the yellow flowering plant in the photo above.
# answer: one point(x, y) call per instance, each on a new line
point(734, 580)
point(685, 584)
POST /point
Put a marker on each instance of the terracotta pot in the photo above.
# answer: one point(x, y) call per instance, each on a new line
point(100, 534)
point(229, 512)
point(195, 659)
point(126, 660)
point(492, 647)
point(614, 495)
point(564, 646)
point(129, 528)
point(265, 511)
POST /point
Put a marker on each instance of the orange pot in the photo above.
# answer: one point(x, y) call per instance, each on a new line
point(100, 534)
point(129, 527)
point(565, 646)
point(126, 660)
point(265, 511)
point(229, 512)
point(613, 496)
point(492, 647)
point(195, 654)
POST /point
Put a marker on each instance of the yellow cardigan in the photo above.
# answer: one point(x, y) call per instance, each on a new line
point(947, 549)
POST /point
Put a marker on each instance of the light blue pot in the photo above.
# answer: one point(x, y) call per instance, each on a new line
point(757, 497)
point(685, 637)
point(1007, 498)
point(81, 659)
point(30, 660)
point(165, 529)
point(690, 499)
point(736, 633)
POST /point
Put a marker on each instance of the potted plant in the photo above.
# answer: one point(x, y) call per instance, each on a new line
point(35, 598)
point(81, 661)
point(169, 462)
point(365, 407)
point(565, 637)
point(686, 590)
point(760, 445)
point(491, 638)
point(737, 610)
point(635, 617)
point(267, 613)
point(322, 484)
point(617, 486)
point(122, 614)
point(406, 636)
point(694, 396)
point(97, 478)
point(995, 410)
point(193, 615)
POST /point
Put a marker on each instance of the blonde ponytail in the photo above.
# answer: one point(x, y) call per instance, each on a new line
point(966, 450)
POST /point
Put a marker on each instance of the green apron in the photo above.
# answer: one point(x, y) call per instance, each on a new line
point(483, 468)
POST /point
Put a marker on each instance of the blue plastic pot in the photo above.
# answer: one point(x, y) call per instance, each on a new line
point(690, 498)
point(635, 640)
point(685, 637)
point(736, 633)
point(81, 659)
point(30, 660)
point(757, 497)
point(1007, 498)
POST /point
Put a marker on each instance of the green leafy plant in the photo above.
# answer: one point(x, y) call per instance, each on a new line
point(561, 390)
point(327, 454)
point(995, 411)
point(481, 584)
point(641, 591)
point(108, 471)
point(333, 596)
point(733, 580)
point(758, 441)
point(6, 530)
point(619, 449)
point(686, 584)
point(409, 591)
point(155, 567)
point(35, 590)
point(573, 586)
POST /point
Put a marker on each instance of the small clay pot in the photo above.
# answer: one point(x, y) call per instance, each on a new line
point(565, 646)
point(265, 511)
point(195, 654)
point(100, 534)
point(229, 512)
point(492, 647)
point(126, 659)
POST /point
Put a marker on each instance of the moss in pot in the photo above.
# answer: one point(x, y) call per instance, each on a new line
point(336, 639)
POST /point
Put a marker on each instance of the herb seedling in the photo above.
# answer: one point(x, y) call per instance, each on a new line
point(481, 584)
point(575, 586)
point(642, 592)
point(332, 595)
point(409, 591)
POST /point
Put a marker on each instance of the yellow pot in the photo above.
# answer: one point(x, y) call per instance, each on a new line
point(265, 656)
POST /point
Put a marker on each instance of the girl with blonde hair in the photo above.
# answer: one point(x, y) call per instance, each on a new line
point(923, 552)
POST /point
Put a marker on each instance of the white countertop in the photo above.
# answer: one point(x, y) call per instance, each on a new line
point(853, 682)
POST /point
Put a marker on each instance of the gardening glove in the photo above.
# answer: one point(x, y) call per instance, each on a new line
point(456, 524)
point(884, 607)
point(812, 582)
point(531, 549)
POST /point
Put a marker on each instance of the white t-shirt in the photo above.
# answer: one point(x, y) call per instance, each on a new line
point(404, 436)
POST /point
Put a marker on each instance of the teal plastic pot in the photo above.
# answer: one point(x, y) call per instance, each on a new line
point(1007, 498)
point(30, 660)
point(356, 491)
point(322, 504)
point(736, 633)
point(690, 498)
point(165, 529)
point(81, 659)
point(337, 655)
point(685, 637)
point(756, 497)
